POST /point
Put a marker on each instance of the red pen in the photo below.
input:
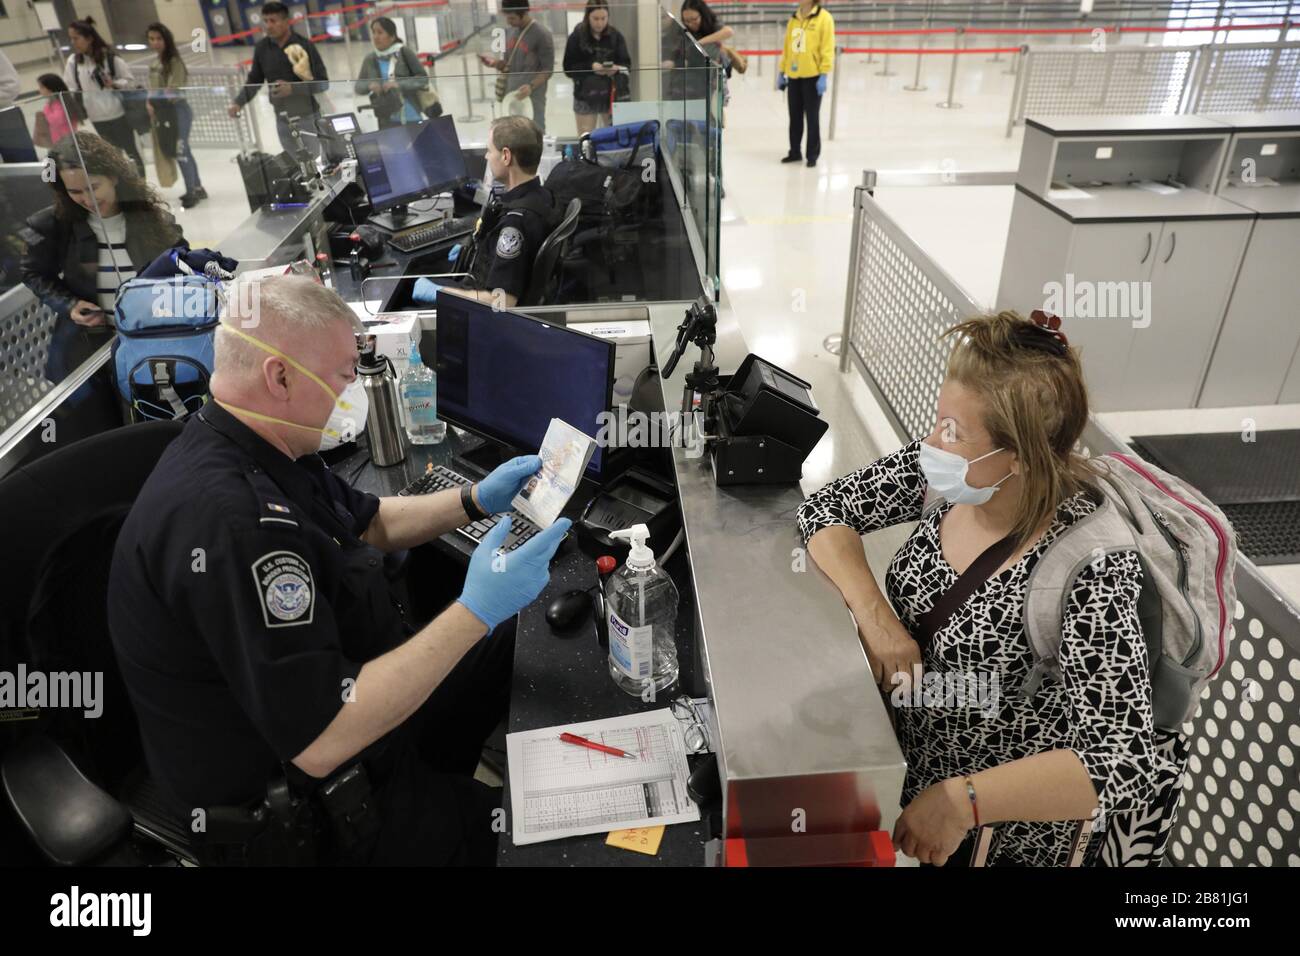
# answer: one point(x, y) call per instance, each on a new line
point(591, 744)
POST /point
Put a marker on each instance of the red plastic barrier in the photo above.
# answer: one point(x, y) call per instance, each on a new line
point(972, 49)
point(1045, 30)
point(384, 11)
point(888, 33)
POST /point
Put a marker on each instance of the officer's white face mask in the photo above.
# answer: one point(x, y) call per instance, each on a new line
point(348, 417)
point(945, 473)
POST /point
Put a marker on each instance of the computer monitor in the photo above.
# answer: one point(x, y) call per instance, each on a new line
point(400, 164)
point(506, 375)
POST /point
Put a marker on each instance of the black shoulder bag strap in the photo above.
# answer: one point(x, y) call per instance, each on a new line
point(980, 570)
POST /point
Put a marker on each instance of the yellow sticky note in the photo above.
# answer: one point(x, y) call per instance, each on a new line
point(638, 839)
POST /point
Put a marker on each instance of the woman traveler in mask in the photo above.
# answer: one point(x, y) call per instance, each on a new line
point(1001, 459)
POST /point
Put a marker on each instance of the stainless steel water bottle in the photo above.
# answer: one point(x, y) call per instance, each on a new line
point(383, 419)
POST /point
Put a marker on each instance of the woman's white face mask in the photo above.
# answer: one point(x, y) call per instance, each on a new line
point(348, 417)
point(945, 472)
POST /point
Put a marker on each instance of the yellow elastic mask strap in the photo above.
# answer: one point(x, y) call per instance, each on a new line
point(292, 361)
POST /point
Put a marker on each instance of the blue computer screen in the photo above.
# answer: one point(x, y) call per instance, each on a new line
point(506, 375)
point(400, 164)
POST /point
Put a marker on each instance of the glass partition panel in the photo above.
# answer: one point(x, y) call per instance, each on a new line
point(242, 167)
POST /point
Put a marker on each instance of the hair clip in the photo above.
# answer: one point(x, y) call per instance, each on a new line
point(1049, 323)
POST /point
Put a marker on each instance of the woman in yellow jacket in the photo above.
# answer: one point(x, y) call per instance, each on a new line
point(807, 58)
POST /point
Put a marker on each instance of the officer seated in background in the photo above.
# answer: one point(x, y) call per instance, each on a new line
point(513, 227)
point(257, 632)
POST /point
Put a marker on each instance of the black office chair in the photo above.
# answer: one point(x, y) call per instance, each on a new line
point(63, 513)
point(546, 266)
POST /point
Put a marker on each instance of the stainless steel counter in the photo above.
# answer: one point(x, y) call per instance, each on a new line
point(803, 733)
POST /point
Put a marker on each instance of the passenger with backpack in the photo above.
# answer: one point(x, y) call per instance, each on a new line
point(105, 86)
point(1051, 622)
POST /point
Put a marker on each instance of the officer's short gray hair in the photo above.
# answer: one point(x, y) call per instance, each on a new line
point(296, 305)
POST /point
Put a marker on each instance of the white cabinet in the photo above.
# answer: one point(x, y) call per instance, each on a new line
point(1257, 346)
point(1192, 271)
point(1142, 300)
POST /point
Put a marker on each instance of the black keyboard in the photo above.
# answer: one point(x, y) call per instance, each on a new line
point(442, 478)
point(421, 237)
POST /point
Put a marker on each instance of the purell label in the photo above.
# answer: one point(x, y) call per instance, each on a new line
point(630, 648)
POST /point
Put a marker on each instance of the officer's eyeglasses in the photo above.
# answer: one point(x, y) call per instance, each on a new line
point(695, 733)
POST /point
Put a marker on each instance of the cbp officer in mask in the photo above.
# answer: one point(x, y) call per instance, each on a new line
point(258, 634)
point(499, 257)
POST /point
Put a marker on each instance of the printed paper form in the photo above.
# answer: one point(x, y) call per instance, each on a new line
point(559, 790)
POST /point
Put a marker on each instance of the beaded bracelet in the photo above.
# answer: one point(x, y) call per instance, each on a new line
point(975, 807)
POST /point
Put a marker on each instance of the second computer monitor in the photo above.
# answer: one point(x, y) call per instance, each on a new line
point(400, 164)
point(506, 375)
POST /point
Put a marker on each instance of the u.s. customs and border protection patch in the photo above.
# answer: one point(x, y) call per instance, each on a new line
point(285, 588)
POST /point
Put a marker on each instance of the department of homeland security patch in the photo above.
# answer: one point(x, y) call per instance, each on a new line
point(284, 585)
point(509, 242)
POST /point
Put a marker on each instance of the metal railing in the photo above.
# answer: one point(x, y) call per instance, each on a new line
point(1227, 77)
point(209, 92)
point(1240, 802)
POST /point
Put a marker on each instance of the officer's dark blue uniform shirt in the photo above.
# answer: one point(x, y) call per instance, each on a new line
point(509, 235)
point(242, 604)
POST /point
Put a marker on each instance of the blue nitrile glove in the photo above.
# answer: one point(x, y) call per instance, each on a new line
point(821, 85)
point(499, 585)
point(426, 290)
point(453, 253)
point(781, 81)
point(497, 490)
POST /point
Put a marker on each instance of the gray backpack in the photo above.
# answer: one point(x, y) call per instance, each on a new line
point(1188, 552)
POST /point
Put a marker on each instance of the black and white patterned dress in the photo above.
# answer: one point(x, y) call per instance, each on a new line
point(1100, 708)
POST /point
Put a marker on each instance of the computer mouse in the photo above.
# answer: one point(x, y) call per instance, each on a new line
point(569, 610)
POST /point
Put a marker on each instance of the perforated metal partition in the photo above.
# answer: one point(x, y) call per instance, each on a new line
point(25, 327)
point(1249, 76)
point(895, 311)
point(1214, 78)
point(1240, 803)
point(209, 92)
point(1120, 79)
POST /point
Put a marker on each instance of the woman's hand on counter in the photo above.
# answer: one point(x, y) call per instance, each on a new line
point(933, 825)
point(891, 650)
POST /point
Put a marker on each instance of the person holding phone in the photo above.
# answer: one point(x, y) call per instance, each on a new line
point(106, 224)
point(596, 58)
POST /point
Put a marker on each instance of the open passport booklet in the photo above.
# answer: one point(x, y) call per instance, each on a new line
point(565, 452)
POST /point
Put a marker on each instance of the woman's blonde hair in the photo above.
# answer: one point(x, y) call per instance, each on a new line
point(1035, 404)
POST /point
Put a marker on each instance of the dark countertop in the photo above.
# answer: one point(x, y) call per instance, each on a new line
point(560, 678)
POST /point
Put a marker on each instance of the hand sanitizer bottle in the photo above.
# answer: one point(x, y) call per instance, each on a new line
point(419, 391)
point(641, 604)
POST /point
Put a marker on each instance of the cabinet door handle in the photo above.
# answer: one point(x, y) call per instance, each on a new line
point(1148, 252)
point(1173, 241)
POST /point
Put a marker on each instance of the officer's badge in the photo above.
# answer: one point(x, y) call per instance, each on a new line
point(509, 243)
point(284, 585)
